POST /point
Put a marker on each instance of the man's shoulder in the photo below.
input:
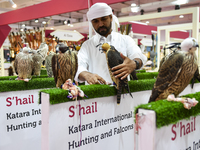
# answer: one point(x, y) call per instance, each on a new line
point(90, 40)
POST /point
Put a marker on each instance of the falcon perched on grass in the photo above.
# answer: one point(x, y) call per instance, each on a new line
point(37, 62)
point(176, 71)
point(64, 65)
point(48, 63)
point(113, 59)
point(38, 57)
point(24, 64)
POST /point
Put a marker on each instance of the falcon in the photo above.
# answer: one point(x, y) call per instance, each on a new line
point(113, 59)
point(37, 62)
point(43, 49)
point(23, 64)
point(64, 65)
point(48, 63)
point(176, 71)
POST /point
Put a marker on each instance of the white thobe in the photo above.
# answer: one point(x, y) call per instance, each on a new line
point(92, 59)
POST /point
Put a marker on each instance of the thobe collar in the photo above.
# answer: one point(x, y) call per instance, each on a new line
point(102, 39)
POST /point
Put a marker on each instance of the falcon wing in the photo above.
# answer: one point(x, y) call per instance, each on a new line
point(15, 65)
point(55, 67)
point(167, 75)
point(164, 59)
point(74, 61)
point(196, 76)
point(114, 59)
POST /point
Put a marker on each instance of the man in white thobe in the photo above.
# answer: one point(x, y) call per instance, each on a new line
point(92, 64)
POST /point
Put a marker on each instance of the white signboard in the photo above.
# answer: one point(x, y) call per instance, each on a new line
point(94, 124)
point(147, 42)
point(184, 135)
point(20, 121)
point(67, 35)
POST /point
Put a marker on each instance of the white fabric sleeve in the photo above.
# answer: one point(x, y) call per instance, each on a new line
point(133, 51)
point(82, 61)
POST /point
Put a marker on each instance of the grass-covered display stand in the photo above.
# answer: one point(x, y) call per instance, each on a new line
point(168, 122)
point(100, 104)
point(21, 95)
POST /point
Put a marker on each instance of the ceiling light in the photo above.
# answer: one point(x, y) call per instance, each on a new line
point(147, 22)
point(36, 20)
point(181, 16)
point(44, 22)
point(51, 28)
point(133, 5)
point(71, 25)
point(12, 3)
point(23, 25)
point(21, 30)
point(180, 2)
point(135, 9)
point(65, 22)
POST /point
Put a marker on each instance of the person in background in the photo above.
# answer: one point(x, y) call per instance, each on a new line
point(92, 64)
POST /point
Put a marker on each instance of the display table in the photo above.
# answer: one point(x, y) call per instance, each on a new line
point(184, 135)
point(21, 112)
point(168, 125)
point(20, 121)
point(96, 123)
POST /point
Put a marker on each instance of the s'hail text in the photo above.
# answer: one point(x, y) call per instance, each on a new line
point(19, 101)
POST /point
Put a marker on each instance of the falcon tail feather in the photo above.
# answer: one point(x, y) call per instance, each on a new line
point(127, 89)
point(119, 92)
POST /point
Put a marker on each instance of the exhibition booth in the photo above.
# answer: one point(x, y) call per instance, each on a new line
point(38, 116)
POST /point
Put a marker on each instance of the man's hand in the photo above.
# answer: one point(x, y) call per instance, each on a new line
point(91, 78)
point(124, 69)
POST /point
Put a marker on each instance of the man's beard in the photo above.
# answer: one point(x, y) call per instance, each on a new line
point(105, 31)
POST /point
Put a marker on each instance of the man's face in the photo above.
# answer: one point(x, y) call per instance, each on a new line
point(103, 25)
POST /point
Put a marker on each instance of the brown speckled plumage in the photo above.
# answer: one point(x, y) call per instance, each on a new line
point(175, 74)
point(24, 65)
point(48, 63)
point(113, 59)
point(37, 62)
point(64, 67)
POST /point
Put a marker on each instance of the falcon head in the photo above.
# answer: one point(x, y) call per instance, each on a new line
point(189, 45)
point(26, 50)
point(105, 47)
point(62, 47)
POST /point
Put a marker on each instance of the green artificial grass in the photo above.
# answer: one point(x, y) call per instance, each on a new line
point(147, 75)
point(7, 81)
point(140, 71)
point(94, 91)
point(14, 77)
point(43, 72)
point(171, 112)
point(19, 85)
